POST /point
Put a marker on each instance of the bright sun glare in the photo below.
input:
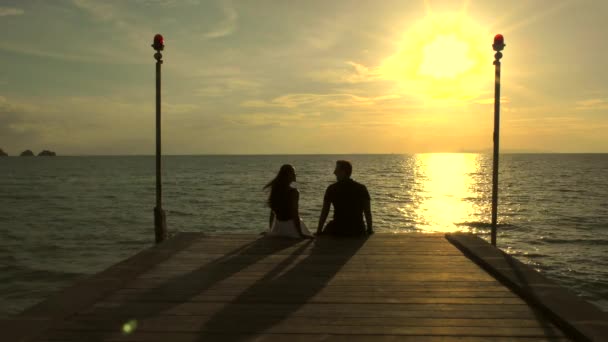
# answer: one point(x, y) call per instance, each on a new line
point(444, 55)
point(435, 63)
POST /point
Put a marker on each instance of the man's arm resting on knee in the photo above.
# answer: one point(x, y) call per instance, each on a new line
point(367, 211)
point(323, 217)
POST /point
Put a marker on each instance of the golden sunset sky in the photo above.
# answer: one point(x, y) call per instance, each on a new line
point(293, 77)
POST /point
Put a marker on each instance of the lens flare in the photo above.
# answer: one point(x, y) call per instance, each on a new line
point(129, 327)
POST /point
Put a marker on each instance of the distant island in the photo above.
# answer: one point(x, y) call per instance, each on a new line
point(2, 153)
point(29, 153)
point(47, 153)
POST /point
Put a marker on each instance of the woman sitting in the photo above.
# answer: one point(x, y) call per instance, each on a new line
point(283, 202)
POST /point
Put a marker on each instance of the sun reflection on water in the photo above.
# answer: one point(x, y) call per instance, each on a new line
point(447, 191)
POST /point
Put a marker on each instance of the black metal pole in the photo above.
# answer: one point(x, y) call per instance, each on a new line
point(498, 46)
point(159, 189)
point(160, 220)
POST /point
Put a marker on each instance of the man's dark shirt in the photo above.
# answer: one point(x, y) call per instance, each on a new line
point(348, 198)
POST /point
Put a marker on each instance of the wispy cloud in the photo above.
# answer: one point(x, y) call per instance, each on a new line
point(592, 104)
point(73, 57)
point(227, 26)
point(225, 86)
point(350, 72)
point(327, 100)
point(15, 127)
point(553, 124)
point(7, 11)
point(270, 120)
point(528, 19)
point(99, 10)
point(9, 105)
point(168, 3)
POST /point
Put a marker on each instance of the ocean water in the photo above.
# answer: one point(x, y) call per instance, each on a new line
point(65, 217)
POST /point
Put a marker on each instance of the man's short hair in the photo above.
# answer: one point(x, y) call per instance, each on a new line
point(346, 166)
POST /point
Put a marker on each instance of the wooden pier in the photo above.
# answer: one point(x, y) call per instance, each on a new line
point(388, 287)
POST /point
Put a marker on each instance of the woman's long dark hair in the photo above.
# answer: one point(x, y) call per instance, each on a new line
point(279, 186)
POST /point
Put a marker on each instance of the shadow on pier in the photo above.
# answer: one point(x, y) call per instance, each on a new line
point(279, 292)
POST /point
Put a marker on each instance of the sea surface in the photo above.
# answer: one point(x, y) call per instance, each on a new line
point(65, 217)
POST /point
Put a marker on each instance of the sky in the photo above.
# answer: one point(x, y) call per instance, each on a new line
point(302, 77)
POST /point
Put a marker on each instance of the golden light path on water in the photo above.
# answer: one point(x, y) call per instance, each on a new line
point(447, 186)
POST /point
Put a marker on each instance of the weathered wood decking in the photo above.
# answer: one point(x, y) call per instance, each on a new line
point(414, 287)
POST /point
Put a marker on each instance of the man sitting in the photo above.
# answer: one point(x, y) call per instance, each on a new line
point(351, 202)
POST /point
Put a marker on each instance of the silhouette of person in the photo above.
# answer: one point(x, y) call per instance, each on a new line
point(283, 202)
point(351, 202)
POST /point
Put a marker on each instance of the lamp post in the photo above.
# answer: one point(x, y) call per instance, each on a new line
point(499, 45)
point(160, 219)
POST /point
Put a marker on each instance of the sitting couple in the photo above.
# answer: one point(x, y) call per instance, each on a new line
point(350, 200)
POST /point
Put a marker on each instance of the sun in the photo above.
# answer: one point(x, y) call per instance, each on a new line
point(444, 55)
point(434, 61)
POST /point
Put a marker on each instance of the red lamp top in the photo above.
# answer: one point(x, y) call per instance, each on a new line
point(159, 42)
point(499, 43)
point(499, 39)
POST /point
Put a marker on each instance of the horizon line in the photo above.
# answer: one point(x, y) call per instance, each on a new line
point(304, 154)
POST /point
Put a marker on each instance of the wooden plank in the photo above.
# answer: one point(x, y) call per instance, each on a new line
point(343, 290)
point(188, 322)
point(372, 278)
point(307, 266)
point(309, 251)
point(482, 284)
point(262, 337)
point(271, 298)
point(325, 309)
point(278, 326)
point(143, 311)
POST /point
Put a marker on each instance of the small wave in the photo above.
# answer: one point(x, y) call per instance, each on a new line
point(33, 274)
point(526, 254)
point(179, 213)
point(591, 242)
point(477, 224)
point(52, 275)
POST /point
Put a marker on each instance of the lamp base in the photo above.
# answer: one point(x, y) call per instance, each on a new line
point(160, 225)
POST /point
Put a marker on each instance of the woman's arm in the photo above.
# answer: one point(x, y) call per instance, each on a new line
point(295, 198)
point(271, 219)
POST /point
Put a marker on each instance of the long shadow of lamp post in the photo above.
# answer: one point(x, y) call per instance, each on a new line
point(160, 219)
point(499, 45)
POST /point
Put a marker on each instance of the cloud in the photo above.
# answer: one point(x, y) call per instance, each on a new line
point(90, 51)
point(592, 104)
point(169, 3)
point(225, 85)
point(329, 100)
point(227, 26)
point(272, 120)
point(17, 131)
point(532, 16)
point(73, 57)
point(354, 73)
point(8, 11)
point(178, 108)
point(100, 10)
point(573, 125)
point(127, 27)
